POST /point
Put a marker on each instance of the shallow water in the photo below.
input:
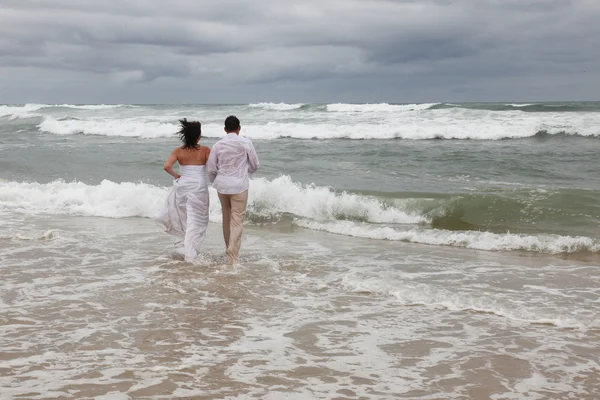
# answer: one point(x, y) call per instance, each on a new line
point(371, 269)
point(95, 307)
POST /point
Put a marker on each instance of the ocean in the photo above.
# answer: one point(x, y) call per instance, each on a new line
point(426, 251)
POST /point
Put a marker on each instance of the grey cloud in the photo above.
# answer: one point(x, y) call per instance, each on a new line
point(367, 45)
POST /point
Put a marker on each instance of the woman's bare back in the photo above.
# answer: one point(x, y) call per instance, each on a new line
point(196, 156)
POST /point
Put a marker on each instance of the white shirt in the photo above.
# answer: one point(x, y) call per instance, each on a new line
point(231, 161)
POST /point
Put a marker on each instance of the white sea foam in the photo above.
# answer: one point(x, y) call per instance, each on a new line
point(25, 111)
point(317, 208)
point(428, 295)
point(92, 106)
point(276, 106)
point(128, 199)
point(29, 235)
point(551, 244)
point(518, 105)
point(321, 203)
point(109, 199)
point(108, 127)
point(442, 124)
point(378, 107)
point(31, 110)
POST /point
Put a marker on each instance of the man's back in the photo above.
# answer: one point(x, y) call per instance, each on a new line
point(231, 161)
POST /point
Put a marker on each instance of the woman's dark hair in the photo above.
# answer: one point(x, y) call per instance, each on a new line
point(189, 133)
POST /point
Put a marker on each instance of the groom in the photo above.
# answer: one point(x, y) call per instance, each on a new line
point(231, 161)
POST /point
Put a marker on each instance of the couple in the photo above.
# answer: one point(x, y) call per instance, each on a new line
point(227, 167)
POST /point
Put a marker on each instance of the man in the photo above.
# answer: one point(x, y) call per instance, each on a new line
point(231, 161)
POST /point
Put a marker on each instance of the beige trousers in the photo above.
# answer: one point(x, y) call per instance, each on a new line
point(234, 211)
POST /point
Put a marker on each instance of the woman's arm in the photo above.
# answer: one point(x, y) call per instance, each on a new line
point(168, 167)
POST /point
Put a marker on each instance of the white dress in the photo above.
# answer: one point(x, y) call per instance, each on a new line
point(185, 211)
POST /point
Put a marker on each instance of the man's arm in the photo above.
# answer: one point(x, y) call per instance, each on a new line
point(211, 165)
point(253, 162)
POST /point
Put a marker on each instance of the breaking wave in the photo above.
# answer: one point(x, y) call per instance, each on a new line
point(268, 200)
point(312, 207)
point(277, 106)
point(268, 121)
point(550, 244)
point(30, 110)
point(378, 107)
point(424, 129)
point(108, 127)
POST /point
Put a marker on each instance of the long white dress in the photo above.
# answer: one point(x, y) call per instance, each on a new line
point(185, 210)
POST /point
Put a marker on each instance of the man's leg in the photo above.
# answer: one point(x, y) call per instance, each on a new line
point(225, 200)
point(238, 213)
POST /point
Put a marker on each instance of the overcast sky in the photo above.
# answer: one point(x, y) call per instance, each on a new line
point(238, 51)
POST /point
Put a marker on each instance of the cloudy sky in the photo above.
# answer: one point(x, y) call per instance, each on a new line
point(237, 51)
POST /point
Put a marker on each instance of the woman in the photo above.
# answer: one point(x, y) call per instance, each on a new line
point(185, 212)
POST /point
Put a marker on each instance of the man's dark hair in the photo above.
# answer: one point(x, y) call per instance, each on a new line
point(189, 133)
point(232, 123)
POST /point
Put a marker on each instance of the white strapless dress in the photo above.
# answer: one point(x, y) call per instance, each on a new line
point(185, 210)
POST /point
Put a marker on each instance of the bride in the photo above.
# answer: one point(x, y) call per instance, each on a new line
point(185, 211)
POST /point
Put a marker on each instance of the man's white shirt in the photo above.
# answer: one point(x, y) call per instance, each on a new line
point(231, 161)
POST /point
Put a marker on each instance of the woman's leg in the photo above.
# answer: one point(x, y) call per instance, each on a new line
point(197, 210)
